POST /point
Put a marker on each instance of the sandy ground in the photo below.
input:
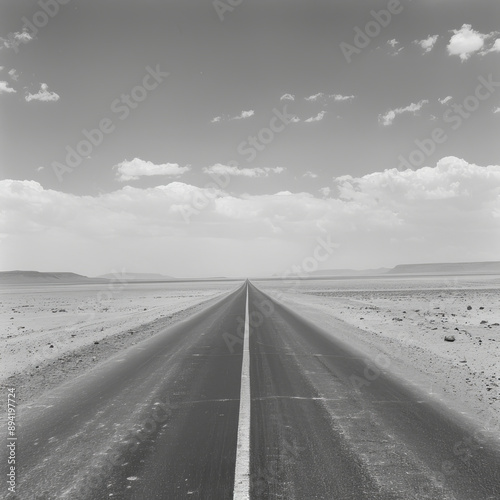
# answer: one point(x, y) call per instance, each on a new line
point(405, 321)
point(52, 333)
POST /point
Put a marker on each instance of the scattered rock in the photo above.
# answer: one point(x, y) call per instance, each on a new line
point(483, 322)
point(469, 308)
point(481, 308)
point(96, 342)
point(450, 338)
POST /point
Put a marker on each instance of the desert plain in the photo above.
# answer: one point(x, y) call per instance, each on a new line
point(52, 333)
point(401, 323)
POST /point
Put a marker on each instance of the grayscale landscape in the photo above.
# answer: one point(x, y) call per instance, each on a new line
point(249, 250)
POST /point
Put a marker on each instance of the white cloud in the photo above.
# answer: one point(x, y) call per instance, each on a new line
point(413, 108)
point(136, 168)
point(294, 119)
point(496, 110)
point(14, 39)
point(325, 191)
point(23, 37)
point(219, 169)
point(5, 89)
point(467, 41)
point(244, 114)
point(451, 178)
point(1, 68)
point(340, 97)
point(314, 97)
point(387, 212)
point(393, 44)
point(13, 74)
point(316, 118)
point(496, 46)
point(43, 95)
point(329, 97)
point(427, 44)
point(445, 99)
point(310, 175)
point(287, 97)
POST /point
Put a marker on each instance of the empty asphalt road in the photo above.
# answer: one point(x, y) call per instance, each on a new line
point(247, 393)
point(328, 423)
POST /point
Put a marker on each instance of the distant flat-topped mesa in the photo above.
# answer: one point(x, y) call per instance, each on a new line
point(448, 268)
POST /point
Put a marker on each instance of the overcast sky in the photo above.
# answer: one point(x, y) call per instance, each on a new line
point(200, 138)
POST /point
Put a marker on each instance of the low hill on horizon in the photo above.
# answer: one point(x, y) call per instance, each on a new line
point(19, 277)
point(27, 277)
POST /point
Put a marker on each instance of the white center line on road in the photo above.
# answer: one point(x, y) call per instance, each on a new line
point(242, 469)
